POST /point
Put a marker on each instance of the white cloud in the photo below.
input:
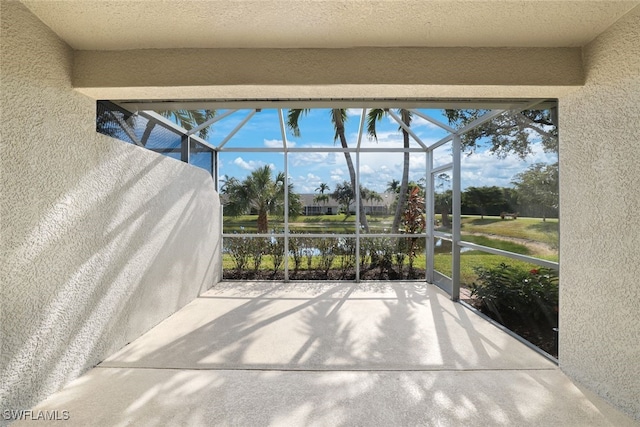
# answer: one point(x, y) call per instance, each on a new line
point(304, 159)
point(307, 183)
point(442, 155)
point(354, 111)
point(485, 169)
point(366, 170)
point(417, 122)
point(277, 143)
point(251, 165)
point(385, 139)
point(394, 139)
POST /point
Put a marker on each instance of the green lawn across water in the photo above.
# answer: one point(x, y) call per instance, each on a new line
point(533, 229)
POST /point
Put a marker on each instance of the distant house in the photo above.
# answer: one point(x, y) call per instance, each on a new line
point(331, 207)
point(312, 207)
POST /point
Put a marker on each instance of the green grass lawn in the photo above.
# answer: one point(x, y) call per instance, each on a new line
point(498, 244)
point(522, 228)
point(473, 259)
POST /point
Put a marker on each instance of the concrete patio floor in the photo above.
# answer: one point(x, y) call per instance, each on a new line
point(370, 354)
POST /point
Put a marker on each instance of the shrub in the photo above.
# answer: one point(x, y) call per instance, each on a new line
point(382, 250)
point(327, 255)
point(257, 248)
point(346, 249)
point(505, 290)
point(275, 248)
point(366, 248)
point(399, 258)
point(308, 250)
point(239, 249)
point(297, 251)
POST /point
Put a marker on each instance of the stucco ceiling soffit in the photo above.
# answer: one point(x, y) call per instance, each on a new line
point(381, 66)
point(158, 24)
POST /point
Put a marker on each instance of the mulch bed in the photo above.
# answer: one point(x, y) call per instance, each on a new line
point(348, 274)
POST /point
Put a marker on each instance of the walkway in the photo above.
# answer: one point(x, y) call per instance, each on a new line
point(374, 354)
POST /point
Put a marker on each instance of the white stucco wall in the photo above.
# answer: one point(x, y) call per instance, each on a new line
point(100, 240)
point(600, 219)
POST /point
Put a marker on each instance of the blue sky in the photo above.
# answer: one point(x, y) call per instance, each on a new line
point(308, 170)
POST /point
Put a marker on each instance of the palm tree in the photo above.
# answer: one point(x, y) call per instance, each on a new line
point(188, 119)
point(338, 118)
point(374, 116)
point(370, 196)
point(260, 192)
point(322, 188)
point(324, 198)
point(393, 186)
point(343, 194)
point(227, 181)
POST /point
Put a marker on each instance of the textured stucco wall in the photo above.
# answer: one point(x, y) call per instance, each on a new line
point(100, 240)
point(331, 73)
point(437, 66)
point(600, 219)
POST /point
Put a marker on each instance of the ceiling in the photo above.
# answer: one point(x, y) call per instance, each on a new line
point(144, 24)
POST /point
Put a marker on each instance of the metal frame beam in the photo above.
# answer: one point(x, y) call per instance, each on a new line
point(434, 121)
point(373, 102)
point(407, 129)
point(210, 122)
point(237, 128)
point(456, 219)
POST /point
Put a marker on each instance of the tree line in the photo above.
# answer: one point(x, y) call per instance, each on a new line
point(534, 194)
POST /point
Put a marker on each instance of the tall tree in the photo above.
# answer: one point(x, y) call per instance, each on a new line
point(321, 197)
point(393, 186)
point(370, 195)
point(443, 198)
point(338, 118)
point(538, 185)
point(374, 116)
point(190, 119)
point(227, 181)
point(343, 194)
point(115, 121)
point(323, 187)
point(260, 192)
point(484, 199)
point(510, 132)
